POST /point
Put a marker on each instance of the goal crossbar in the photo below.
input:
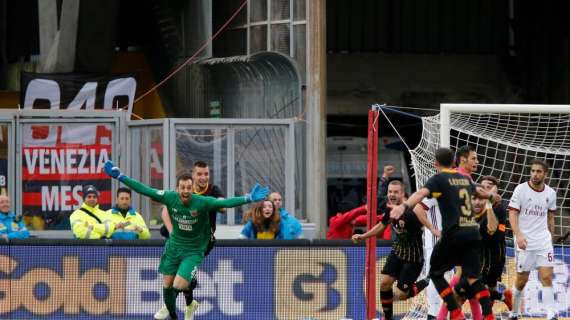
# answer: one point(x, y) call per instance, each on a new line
point(447, 108)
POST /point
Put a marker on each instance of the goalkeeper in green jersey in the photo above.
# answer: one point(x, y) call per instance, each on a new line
point(184, 250)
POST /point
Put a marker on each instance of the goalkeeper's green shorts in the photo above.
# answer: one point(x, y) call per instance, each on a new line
point(180, 262)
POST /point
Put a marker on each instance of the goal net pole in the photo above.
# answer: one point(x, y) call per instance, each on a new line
point(371, 196)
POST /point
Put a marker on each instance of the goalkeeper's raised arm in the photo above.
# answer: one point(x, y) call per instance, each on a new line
point(257, 192)
point(115, 173)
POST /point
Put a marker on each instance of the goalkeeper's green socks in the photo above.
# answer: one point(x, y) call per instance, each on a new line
point(170, 295)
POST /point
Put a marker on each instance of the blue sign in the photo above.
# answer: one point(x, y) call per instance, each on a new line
point(85, 282)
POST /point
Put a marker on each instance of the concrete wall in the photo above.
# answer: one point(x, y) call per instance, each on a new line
point(356, 80)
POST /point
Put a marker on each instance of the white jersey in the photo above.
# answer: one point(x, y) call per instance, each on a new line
point(434, 216)
point(533, 206)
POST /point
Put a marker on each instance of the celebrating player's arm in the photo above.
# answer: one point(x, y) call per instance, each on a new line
point(378, 228)
point(496, 216)
point(115, 172)
point(257, 193)
point(422, 217)
point(492, 221)
point(412, 201)
point(419, 195)
point(493, 196)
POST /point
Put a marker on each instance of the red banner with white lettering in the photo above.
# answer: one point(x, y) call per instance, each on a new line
point(57, 162)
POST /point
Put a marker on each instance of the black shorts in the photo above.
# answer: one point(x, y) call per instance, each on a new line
point(492, 263)
point(461, 248)
point(405, 272)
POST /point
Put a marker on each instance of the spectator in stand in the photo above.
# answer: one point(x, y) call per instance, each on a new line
point(90, 222)
point(263, 222)
point(10, 226)
point(123, 214)
point(290, 227)
point(342, 225)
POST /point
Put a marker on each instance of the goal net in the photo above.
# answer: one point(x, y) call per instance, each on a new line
point(506, 138)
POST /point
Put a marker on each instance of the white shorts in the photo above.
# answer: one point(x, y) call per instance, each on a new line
point(528, 260)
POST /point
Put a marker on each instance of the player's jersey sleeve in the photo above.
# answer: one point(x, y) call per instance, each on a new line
point(552, 201)
point(154, 194)
point(472, 187)
point(426, 203)
point(217, 192)
point(383, 187)
point(386, 219)
point(434, 186)
point(515, 202)
point(217, 204)
point(501, 214)
point(409, 216)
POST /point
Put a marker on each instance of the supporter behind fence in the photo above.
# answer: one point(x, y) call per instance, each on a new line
point(290, 227)
point(11, 227)
point(129, 223)
point(90, 222)
point(263, 222)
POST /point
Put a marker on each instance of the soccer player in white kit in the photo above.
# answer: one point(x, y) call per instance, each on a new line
point(434, 216)
point(531, 213)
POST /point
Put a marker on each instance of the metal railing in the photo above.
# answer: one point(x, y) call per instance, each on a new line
point(47, 156)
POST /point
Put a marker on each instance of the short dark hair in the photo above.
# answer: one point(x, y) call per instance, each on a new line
point(491, 179)
point(125, 190)
point(398, 183)
point(444, 156)
point(463, 151)
point(183, 177)
point(200, 164)
point(539, 162)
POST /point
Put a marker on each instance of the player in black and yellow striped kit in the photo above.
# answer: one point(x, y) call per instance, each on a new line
point(405, 262)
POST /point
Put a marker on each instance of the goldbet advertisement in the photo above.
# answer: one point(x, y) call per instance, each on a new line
point(103, 282)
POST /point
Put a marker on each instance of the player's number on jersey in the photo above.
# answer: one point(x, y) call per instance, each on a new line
point(466, 206)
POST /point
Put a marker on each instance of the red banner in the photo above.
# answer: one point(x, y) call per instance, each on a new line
point(57, 162)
